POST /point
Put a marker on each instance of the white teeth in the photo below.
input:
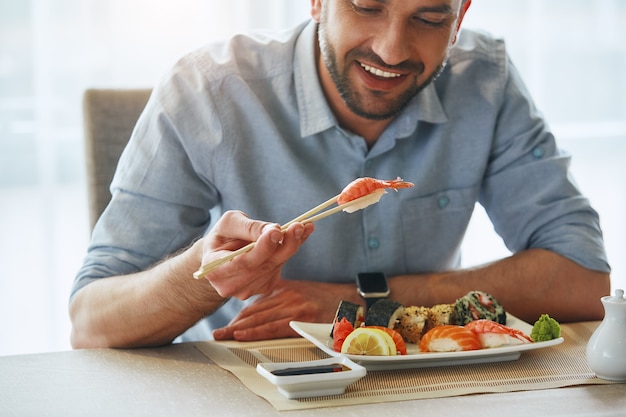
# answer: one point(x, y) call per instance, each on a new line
point(378, 72)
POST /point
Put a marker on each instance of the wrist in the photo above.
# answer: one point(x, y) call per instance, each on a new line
point(195, 294)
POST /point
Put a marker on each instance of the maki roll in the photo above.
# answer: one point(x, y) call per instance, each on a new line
point(384, 313)
point(417, 320)
point(351, 311)
point(477, 305)
point(441, 315)
point(412, 322)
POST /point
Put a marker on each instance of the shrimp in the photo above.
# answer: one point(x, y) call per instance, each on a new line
point(493, 334)
point(362, 187)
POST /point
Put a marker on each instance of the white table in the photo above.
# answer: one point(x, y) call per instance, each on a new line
point(178, 380)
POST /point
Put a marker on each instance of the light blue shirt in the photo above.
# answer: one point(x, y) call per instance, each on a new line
point(245, 125)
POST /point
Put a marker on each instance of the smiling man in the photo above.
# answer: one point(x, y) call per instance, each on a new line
point(273, 125)
point(377, 55)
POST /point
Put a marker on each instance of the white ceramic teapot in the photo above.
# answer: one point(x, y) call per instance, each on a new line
point(606, 350)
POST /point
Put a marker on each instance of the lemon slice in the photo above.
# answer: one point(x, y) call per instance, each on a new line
point(367, 341)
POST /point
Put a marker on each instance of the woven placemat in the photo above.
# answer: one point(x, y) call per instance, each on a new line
point(557, 366)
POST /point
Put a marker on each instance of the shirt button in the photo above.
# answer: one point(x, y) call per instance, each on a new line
point(538, 153)
point(443, 202)
point(373, 243)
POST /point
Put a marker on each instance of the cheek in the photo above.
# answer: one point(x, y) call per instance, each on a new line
point(341, 45)
point(346, 39)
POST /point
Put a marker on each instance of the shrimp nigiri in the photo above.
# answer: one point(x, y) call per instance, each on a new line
point(492, 334)
point(362, 187)
point(449, 338)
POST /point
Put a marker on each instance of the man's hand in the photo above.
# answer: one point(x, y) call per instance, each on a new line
point(257, 271)
point(269, 316)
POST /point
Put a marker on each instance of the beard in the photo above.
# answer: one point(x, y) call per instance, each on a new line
point(376, 107)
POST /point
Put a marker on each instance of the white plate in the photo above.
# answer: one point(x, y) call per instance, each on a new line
point(312, 385)
point(319, 335)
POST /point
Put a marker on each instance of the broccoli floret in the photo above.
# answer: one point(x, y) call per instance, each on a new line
point(546, 328)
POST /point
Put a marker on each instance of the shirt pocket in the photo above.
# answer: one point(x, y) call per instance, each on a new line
point(434, 226)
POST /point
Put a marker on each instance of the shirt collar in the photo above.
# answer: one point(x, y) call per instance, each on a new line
point(425, 107)
point(315, 114)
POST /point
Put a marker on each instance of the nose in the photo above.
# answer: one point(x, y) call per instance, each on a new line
point(391, 43)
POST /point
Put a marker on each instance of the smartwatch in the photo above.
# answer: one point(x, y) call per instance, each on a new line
point(372, 286)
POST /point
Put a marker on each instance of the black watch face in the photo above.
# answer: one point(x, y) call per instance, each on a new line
point(372, 282)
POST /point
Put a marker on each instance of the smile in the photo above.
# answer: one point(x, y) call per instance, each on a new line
point(379, 73)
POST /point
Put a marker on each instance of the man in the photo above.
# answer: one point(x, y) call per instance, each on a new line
point(274, 126)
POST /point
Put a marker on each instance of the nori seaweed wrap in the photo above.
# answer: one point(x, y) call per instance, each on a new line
point(352, 312)
point(384, 313)
point(477, 305)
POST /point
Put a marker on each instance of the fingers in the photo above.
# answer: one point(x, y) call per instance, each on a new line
point(257, 271)
point(268, 316)
point(269, 255)
point(269, 330)
point(267, 324)
point(235, 226)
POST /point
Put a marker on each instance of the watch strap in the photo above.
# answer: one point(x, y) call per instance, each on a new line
point(370, 301)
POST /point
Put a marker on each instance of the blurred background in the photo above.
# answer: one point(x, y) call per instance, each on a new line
point(571, 53)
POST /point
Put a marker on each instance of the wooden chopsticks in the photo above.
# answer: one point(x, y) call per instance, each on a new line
point(307, 217)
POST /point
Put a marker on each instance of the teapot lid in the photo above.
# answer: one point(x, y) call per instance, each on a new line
point(618, 298)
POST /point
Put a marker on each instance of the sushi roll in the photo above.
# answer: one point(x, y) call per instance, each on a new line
point(351, 311)
point(412, 323)
point(477, 305)
point(384, 313)
point(440, 314)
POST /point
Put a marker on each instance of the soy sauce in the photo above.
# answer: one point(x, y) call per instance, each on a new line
point(308, 370)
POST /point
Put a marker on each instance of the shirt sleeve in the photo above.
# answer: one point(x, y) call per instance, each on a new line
point(157, 190)
point(528, 191)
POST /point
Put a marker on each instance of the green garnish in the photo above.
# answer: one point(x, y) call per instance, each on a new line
point(546, 328)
